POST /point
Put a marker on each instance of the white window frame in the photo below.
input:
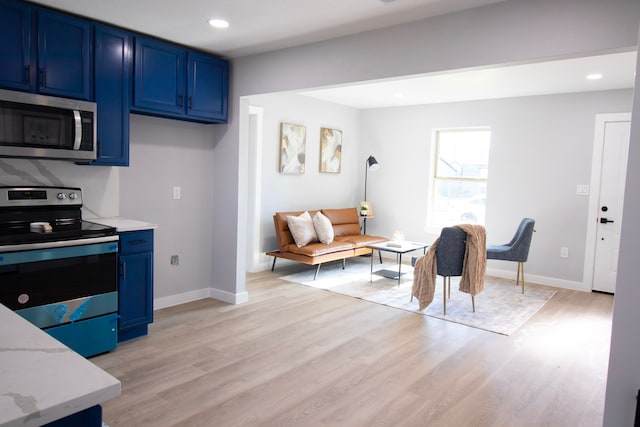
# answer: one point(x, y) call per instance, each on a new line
point(431, 226)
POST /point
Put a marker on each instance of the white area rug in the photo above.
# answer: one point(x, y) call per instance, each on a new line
point(500, 307)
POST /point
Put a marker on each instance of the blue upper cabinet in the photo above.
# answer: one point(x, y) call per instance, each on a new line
point(207, 88)
point(171, 81)
point(44, 51)
point(159, 77)
point(16, 46)
point(64, 55)
point(113, 69)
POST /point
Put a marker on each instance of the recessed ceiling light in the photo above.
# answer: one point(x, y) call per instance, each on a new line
point(594, 76)
point(218, 23)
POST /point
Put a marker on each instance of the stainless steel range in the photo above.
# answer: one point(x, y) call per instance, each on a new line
point(57, 270)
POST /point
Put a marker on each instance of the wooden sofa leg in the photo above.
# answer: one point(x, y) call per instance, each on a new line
point(344, 263)
point(274, 263)
point(317, 271)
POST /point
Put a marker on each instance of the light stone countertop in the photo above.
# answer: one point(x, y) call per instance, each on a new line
point(124, 224)
point(42, 380)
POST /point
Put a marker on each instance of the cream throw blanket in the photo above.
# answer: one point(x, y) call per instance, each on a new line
point(473, 269)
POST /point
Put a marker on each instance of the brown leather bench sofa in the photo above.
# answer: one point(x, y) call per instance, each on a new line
point(347, 242)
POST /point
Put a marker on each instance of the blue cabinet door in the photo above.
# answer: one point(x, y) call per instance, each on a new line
point(208, 87)
point(135, 292)
point(64, 55)
point(16, 50)
point(159, 77)
point(112, 75)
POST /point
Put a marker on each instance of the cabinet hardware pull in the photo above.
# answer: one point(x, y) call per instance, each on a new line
point(181, 100)
point(124, 270)
point(27, 70)
point(43, 80)
point(190, 103)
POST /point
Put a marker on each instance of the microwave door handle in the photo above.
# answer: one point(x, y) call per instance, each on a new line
point(78, 134)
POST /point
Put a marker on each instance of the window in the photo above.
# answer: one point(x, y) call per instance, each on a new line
point(458, 191)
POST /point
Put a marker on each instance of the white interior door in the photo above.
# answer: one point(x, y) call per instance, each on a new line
point(613, 173)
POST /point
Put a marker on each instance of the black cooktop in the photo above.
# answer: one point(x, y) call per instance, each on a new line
point(18, 235)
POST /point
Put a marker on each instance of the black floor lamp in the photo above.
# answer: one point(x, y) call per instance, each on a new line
point(370, 165)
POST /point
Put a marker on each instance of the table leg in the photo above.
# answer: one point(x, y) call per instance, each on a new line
point(399, 268)
point(371, 273)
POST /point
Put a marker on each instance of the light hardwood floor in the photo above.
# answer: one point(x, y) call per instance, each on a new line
point(298, 356)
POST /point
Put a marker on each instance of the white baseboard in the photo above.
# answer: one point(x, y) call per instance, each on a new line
point(229, 297)
point(199, 294)
point(540, 280)
point(178, 299)
point(496, 272)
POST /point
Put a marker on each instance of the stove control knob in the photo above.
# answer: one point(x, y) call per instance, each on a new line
point(61, 196)
point(73, 196)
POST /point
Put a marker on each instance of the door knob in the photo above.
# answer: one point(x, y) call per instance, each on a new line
point(605, 220)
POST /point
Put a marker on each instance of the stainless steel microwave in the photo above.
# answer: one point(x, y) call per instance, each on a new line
point(46, 127)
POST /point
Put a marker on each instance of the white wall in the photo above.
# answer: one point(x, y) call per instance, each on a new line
point(623, 381)
point(508, 32)
point(166, 153)
point(541, 148)
point(312, 189)
point(513, 31)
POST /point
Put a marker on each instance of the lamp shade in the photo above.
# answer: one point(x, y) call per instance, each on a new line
point(372, 163)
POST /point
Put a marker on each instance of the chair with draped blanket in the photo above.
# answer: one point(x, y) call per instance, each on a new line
point(517, 249)
point(458, 251)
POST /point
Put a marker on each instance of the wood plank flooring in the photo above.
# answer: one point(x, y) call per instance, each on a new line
point(298, 356)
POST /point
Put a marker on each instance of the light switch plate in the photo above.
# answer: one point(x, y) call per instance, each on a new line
point(177, 193)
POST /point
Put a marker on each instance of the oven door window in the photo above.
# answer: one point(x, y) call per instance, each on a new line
point(46, 276)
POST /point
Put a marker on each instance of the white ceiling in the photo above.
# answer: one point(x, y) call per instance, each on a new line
point(562, 76)
point(258, 26)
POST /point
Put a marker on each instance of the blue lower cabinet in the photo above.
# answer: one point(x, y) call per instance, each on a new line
point(91, 417)
point(135, 292)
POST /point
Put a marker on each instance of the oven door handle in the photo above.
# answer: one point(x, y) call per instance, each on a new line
point(58, 244)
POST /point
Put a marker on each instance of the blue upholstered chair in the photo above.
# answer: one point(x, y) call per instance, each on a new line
point(517, 249)
point(450, 259)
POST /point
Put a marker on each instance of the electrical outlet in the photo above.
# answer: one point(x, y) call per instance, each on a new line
point(582, 190)
point(564, 252)
point(175, 260)
point(177, 193)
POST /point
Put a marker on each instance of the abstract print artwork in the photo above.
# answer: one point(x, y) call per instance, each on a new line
point(330, 150)
point(292, 148)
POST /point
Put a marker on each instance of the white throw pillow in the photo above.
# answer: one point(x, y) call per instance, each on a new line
point(323, 227)
point(301, 228)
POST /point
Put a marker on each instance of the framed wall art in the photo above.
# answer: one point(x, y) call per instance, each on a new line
point(330, 150)
point(293, 141)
